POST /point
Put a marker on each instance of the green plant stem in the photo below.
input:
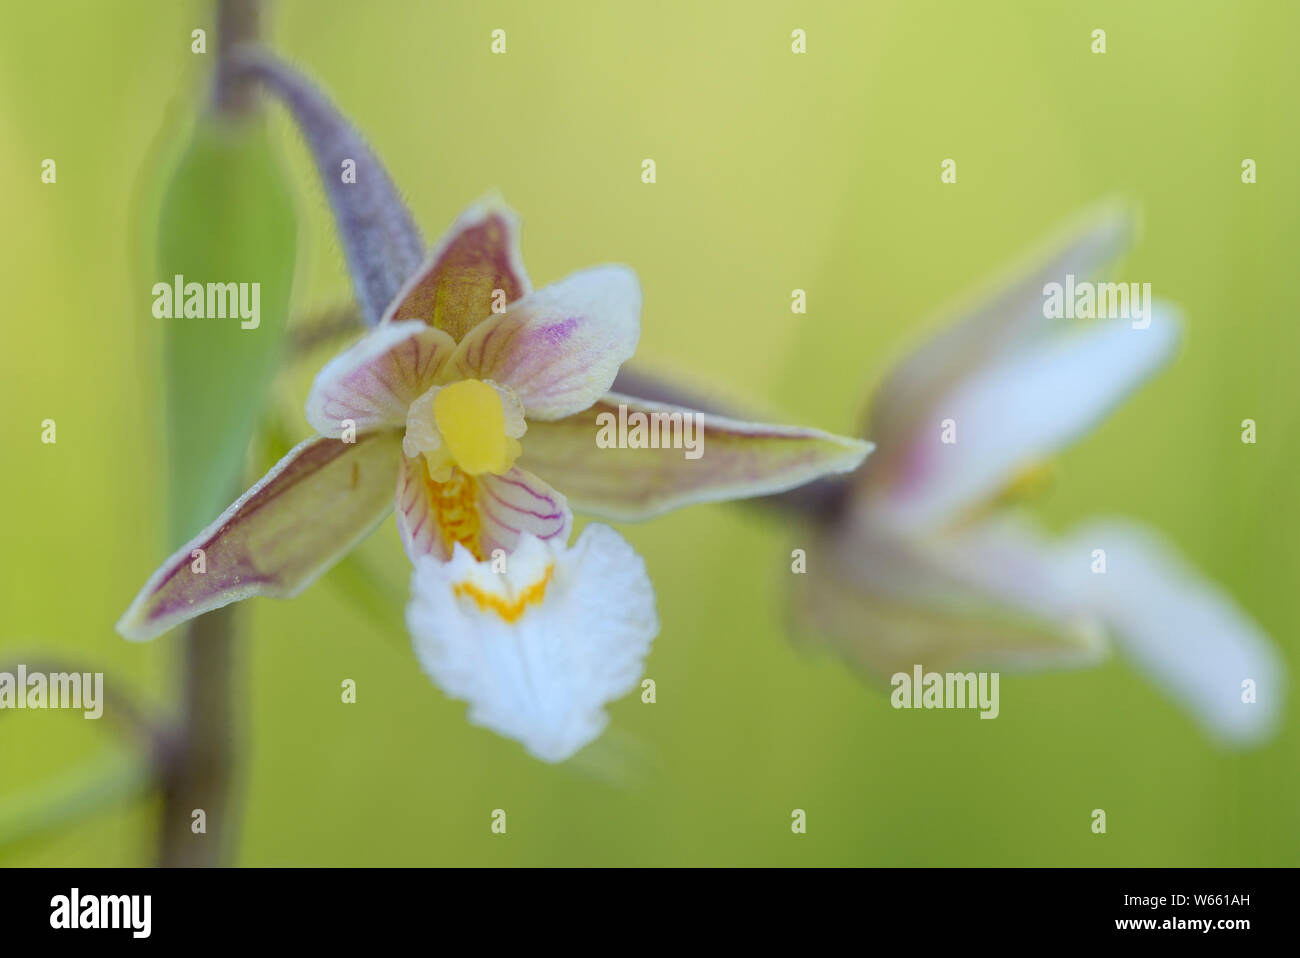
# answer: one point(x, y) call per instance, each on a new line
point(199, 768)
point(238, 22)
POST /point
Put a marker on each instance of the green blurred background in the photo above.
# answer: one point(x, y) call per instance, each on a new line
point(775, 171)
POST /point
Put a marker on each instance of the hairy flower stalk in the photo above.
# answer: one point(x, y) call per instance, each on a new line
point(380, 239)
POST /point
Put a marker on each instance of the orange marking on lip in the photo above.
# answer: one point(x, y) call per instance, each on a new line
point(508, 611)
point(455, 509)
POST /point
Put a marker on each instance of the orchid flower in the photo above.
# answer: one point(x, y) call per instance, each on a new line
point(927, 562)
point(468, 390)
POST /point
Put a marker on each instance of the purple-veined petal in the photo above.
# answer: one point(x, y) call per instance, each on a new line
point(375, 381)
point(1182, 630)
point(1029, 404)
point(483, 513)
point(559, 348)
point(730, 459)
point(1010, 312)
point(992, 595)
point(314, 505)
point(539, 647)
point(380, 240)
point(475, 266)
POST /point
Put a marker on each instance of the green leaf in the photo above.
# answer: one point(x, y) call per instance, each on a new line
point(227, 217)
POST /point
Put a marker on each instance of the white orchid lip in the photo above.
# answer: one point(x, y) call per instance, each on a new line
point(538, 648)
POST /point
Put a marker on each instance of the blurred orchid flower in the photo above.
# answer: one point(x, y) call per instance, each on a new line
point(924, 560)
point(436, 400)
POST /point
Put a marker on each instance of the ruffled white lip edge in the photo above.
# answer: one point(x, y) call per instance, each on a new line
point(537, 648)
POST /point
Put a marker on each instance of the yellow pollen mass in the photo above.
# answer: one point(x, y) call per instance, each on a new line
point(472, 421)
point(1028, 482)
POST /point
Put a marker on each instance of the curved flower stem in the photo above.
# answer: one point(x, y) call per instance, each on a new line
point(150, 736)
point(822, 500)
point(381, 242)
point(117, 774)
point(111, 777)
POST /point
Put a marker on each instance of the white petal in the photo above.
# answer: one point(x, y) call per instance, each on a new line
point(376, 380)
point(1030, 404)
point(1183, 630)
point(1008, 312)
point(538, 650)
point(559, 348)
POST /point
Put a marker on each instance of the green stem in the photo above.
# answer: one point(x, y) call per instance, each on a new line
point(238, 22)
point(199, 769)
